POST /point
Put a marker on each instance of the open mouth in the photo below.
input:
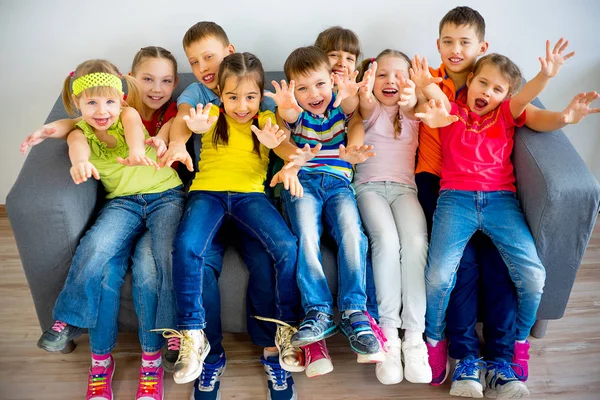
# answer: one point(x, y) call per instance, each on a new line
point(101, 121)
point(316, 104)
point(242, 115)
point(208, 78)
point(455, 60)
point(155, 98)
point(480, 104)
point(389, 92)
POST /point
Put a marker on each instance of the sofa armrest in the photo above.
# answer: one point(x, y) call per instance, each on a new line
point(560, 198)
point(48, 214)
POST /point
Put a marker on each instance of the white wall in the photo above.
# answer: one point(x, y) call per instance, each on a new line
point(41, 42)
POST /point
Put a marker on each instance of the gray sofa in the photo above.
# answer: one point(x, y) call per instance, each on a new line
point(49, 214)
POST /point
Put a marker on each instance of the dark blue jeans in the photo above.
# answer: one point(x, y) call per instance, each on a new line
point(480, 267)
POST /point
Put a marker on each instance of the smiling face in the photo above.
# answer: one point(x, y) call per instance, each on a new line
point(459, 47)
point(205, 57)
point(156, 79)
point(314, 90)
point(386, 88)
point(99, 111)
point(241, 98)
point(342, 60)
point(487, 89)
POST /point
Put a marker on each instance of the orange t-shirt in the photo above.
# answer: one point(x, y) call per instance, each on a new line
point(430, 147)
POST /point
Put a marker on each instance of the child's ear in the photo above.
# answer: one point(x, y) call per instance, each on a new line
point(123, 102)
point(220, 95)
point(469, 79)
point(483, 47)
point(129, 73)
point(231, 49)
point(332, 80)
point(437, 43)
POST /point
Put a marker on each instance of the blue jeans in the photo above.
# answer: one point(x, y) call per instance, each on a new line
point(91, 295)
point(458, 216)
point(252, 214)
point(333, 199)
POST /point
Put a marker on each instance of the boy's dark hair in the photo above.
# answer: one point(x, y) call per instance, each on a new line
point(304, 60)
point(202, 30)
point(242, 66)
point(507, 68)
point(465, 16)
point(340, 39)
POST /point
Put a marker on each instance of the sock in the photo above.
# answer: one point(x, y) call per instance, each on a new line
point(412, 336)
point(267, 354)
point(522, 341)
point(151, 360)
point(348, 313)
point(432, 342)
point(389, 332)
point(101, 360)
point(212, 358)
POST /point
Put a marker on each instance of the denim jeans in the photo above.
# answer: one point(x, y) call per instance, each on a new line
point(458, 216)
point(333, 199)
point(252, 214)
point(91, 295)
point(397, 231)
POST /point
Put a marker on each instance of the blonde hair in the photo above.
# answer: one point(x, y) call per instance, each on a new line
point(134, 98)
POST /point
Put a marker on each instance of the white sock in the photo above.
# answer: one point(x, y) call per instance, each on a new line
point(432, 342)
point(267, 353)
point(522, 341)
point(151, 361)
point(347, 313)
point(412, 336)
point(101, 360)
point(390, 332)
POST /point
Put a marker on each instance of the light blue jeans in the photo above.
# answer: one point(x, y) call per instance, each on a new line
point(331, 198)
point(459, 214)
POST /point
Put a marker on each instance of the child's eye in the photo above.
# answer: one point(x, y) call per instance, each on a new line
point(465, 43)
point(169, 81)
point(301, 89)
point(250, 97)
point(381, 75)
point(232, 97)
point(498, 90)
point(320, 84)
point(208, 57)
point(110, 102)
point(148, 79)
point(351, 59)
point(91, 102)
point(192, 63)
point(333, 55)
point(446, 42)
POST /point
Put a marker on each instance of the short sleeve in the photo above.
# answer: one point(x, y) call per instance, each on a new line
point(191, 95)
point(507, 115)
point(264, 116)
point(267, 104)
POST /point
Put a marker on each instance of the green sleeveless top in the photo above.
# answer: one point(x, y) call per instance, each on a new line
point(120, 180)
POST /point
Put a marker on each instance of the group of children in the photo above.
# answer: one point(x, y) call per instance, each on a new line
point(349, 148)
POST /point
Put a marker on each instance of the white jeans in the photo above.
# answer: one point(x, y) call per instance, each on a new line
point(397, 230)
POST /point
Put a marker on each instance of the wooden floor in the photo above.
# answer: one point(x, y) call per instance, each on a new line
point(564, 365)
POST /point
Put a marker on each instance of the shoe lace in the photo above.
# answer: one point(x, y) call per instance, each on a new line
point(59, 326)
point(285, 332)
point(276, 374)
point(98, 382)
point(186, 347)
point(469, 367)
point(377, 330)
point(313, 348)
point(209, 375)
point(173, 343)
point(148, 381)
point(504, 369)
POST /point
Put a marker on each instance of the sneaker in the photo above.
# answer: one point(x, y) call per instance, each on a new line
point(317, 358)
point(438, 361)
point(100, 381)
point(521, 358)
point(59, 337)
point(378, 357)
point(466, 380)
point(207, 386)
point(316, 326)
point(357, 329)
point(502, 382)
point(291, 358)
point(416, 362)
point(171, 353)
point(279, 381)
point(194, 348)
point(150, 386)
point(390, 371)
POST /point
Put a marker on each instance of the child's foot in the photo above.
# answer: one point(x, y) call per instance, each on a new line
point(438, 361)
point(502, 382)
point(390, 371)
point(291, 358)
point(357, 328)
point(171, 353)
point(466, 381)
point(378, 357)
point(59, 337)
point(521, 358)
point(317, 358)
point(279, 381)
point(194, 348)
point(316, 326)
point(150, 385)
point(208, 386)
point(100, 379)
point(416, 361)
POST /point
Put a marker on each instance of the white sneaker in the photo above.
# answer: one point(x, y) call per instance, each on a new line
point(194, 349)
point(389, 372)
point(416, 362)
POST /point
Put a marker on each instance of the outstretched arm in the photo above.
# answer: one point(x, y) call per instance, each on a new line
point(79, 154)
point(178, 137)
point(367, 101)
point(427, 84)
point(57, 130)
point(547, 121)
point(408, 96)
point(135, 139)
point(287, 106)
point(160, 142)
point(347, 95)
point(435, 115)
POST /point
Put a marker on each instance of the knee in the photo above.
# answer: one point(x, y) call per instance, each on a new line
point(384, 243)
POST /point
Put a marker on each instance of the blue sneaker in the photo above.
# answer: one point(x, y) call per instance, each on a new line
point(502, 382)
point(279, 381)
point(315, 327)
point(466, 381)
point(357, 329)
point(207, 386)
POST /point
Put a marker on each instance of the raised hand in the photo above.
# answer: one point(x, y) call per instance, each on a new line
point(176, 152)
point(80, 172)
point(435, 115)
point(200, 120)
point(347, 86)
point(419, 73)
point(366, 91)
point(37, 137)
point(289, 178)
point(138, 160)
point(579, 108)
point(356, 154)
point(284, 96)
point(270, 135)
point(554, 58)
point(408, 94)
point(302, 156)
point(158, 145)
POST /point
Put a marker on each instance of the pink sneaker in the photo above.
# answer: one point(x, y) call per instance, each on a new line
point(438, 361)
point(317, 359)
point(99, 381)
point(150, 386)
point(378, 357)
point(521, 358)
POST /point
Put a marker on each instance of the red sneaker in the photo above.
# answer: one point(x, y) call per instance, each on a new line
point(521, 358)
point(438, 361)
point(317, 359)
point(100, 381)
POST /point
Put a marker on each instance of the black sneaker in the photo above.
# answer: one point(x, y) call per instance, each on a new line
point(316, 326)
point(59, 337)
point(357, 329)
point(171, 353)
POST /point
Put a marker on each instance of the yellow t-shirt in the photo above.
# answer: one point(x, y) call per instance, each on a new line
point(118, 179)
point(233, 167)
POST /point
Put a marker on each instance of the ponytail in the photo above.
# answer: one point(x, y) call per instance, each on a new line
point(67, 96)
point(134, 94)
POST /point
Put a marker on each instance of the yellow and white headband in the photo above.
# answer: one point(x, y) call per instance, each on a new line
point(97, 79)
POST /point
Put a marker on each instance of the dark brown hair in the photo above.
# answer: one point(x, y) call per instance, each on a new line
point(465, 16)
point(337, 38)
point(507, 68)
point(203, 30)
point(304, 60)
point(152, 52)
point(241, 66)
